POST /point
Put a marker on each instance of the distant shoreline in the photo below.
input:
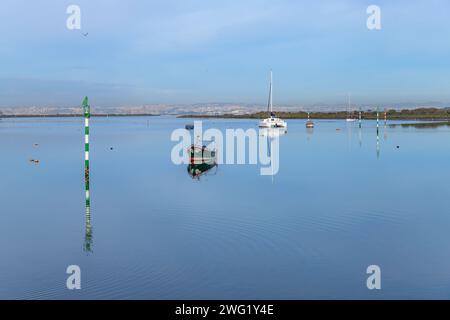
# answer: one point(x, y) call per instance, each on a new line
point(421, 114)
point(75, 115)
point(405, 114)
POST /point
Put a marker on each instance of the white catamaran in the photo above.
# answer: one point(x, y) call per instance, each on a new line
point(272, 121)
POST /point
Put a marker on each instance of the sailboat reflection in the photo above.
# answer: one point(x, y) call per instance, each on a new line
point(202, 160)
point(272, 132)
point(269, 157)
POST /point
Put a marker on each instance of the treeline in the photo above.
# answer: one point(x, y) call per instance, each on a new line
point(405, 114)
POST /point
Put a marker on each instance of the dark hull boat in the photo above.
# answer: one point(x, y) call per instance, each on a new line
point(201, 160)
point(201, 154)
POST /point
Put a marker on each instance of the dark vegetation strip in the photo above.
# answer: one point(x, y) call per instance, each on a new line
point(405, 114)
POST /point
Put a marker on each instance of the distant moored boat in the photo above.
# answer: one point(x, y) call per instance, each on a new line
point(309, 123)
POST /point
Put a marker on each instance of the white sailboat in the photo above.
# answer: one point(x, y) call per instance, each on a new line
point(272, 121)
point(350, 118)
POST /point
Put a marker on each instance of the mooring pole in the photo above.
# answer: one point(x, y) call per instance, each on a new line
point(87, 115)
point(378, 122)
point(378, 133)
point(360, 117)
point(88, 231)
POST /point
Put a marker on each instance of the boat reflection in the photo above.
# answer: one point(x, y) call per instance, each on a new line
point(309, 132)
point(198, 170)
point(272, 132)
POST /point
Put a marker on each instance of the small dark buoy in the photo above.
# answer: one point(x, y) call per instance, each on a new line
point(398, 147)
point(111, 148)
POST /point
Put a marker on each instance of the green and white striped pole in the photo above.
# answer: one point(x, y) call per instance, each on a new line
point(87, 115)
point(88, 232)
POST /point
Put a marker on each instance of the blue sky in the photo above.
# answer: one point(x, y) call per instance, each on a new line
point(145, 52)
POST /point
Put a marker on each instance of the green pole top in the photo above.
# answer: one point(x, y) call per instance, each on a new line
point(86, 107)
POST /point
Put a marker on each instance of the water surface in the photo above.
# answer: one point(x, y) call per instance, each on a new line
point(339, 203)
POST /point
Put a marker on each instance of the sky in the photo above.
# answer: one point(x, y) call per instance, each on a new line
point(196, 51)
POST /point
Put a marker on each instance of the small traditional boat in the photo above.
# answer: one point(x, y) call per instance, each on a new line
point(202, 159)
point(309, 123)
point(201, 154)
point(189, 127)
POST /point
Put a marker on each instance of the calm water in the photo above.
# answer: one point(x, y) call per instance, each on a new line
point(335, 207)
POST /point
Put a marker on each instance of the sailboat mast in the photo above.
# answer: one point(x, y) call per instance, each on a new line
point(348, 108)
point(271, 91)
point(269, 104)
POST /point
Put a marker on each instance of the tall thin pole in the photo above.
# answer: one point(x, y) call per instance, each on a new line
point(349, 102)
point(87, 115)
point(360, 117)
point(348, 106)
point(378, 122)
point(88, 231)
point(378, 133)
point(360, 126)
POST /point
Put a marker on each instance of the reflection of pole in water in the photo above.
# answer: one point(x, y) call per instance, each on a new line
point(88, 234)
point(360, 136)
point(88, 231)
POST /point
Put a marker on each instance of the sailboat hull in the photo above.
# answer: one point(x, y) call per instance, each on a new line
point(272, 123)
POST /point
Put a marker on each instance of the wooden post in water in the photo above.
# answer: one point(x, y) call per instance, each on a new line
point(88, 231)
